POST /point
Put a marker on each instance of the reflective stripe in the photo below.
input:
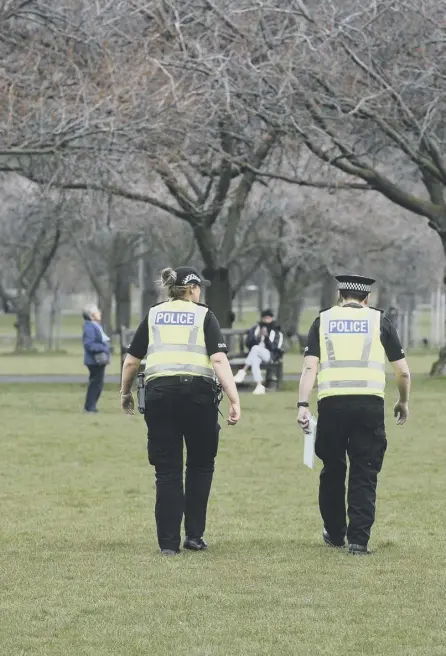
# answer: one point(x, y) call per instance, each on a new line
point(352, 364)
point(201, 350)
point(179, 368)
point(369, 337)
point(328, 342)
point(353, 384)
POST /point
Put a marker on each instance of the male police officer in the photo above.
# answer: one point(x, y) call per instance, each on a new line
point(350, 342)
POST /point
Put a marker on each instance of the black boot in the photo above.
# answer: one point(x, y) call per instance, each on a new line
point(358, 550)
point(195, 544)
point(331, 543)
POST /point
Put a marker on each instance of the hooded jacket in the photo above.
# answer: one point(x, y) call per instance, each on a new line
point(273, 341)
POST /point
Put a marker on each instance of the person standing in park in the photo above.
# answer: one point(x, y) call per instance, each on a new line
point(265, 342)
point(96, 355)
point(185, 347)
point(349, 342)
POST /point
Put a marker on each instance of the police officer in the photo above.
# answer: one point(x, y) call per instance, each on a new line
point(349, 342)
point(184, 346)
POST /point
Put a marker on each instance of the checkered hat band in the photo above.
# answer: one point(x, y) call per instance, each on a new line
point(355, 287)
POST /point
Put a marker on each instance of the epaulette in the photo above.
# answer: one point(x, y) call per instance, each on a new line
point(377, 309)
point(159, 303)
point(202, 305)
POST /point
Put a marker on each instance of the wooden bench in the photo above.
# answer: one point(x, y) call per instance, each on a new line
point(237, 353)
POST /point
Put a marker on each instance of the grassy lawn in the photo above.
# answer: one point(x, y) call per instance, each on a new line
point(81, 575)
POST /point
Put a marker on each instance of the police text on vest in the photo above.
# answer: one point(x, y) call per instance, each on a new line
point(175, 318)
point(348, 327)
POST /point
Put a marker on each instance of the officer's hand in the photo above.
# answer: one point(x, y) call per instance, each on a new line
point(127, 403)
point(401, 412)
point(303, 418)
point(234, 414)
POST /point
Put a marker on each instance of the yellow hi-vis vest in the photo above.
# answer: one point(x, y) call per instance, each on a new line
point(352, 356)
point(176, 341)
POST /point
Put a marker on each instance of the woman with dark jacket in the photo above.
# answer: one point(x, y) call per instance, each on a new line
point(96, 355)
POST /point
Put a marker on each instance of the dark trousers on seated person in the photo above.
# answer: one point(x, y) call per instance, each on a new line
point(173, 414)
point(353, 426)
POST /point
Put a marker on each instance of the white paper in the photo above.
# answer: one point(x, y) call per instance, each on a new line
point(309, 440)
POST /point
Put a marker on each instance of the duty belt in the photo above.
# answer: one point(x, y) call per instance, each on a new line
point(172, 381)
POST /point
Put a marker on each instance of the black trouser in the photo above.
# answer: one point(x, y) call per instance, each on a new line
point(174, 411)
point(95, 386)
point(352, 425)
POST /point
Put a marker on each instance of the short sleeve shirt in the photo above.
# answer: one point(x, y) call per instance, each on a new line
point(389, 339)
point(214, 340)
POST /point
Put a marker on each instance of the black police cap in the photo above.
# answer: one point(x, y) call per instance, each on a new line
point(353, 283)
point(187, 275)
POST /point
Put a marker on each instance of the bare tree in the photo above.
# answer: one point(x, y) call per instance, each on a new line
point(368, 100)
point(186, 105)
point(31, 233)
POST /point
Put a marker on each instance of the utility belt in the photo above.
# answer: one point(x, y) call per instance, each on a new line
point(182, 383)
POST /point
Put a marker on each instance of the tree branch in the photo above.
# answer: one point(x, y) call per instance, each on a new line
point(242, 193)
point(46, 261)
point(318, 184)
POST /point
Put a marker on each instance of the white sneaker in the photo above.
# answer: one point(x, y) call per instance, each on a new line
point(240, 376)
point(260, 389)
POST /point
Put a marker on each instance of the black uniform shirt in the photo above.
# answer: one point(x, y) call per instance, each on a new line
point(215, 342)
point(389, 338)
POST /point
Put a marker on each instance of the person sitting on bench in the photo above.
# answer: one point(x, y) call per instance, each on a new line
point(264, 341)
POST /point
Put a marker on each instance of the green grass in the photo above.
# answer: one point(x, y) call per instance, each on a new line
point(81, 575)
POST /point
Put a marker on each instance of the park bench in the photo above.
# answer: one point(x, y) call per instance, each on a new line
point(237, 352)
point(236, 342)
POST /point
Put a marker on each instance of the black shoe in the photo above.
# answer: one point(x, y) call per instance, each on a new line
point(358, 550)
point(195, 544)
point(331, 543)
point(170, 552)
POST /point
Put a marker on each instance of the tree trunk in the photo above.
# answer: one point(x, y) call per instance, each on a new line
point(105, 302)
point(287, 311)
point(439, 366)
point(329, 292)
point(261, 291)
point(123, 301)
point(40, 316)
point(298, 307)
point(54, 319)
point(24, 340)
point(218, 295)
point(148, 289)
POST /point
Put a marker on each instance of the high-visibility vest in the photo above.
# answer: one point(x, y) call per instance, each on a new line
point(352, 356)
point(176, 341)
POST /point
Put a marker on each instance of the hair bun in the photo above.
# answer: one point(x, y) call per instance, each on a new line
point(168, 277)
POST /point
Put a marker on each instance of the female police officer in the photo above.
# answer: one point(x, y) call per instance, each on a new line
point(184, 345)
